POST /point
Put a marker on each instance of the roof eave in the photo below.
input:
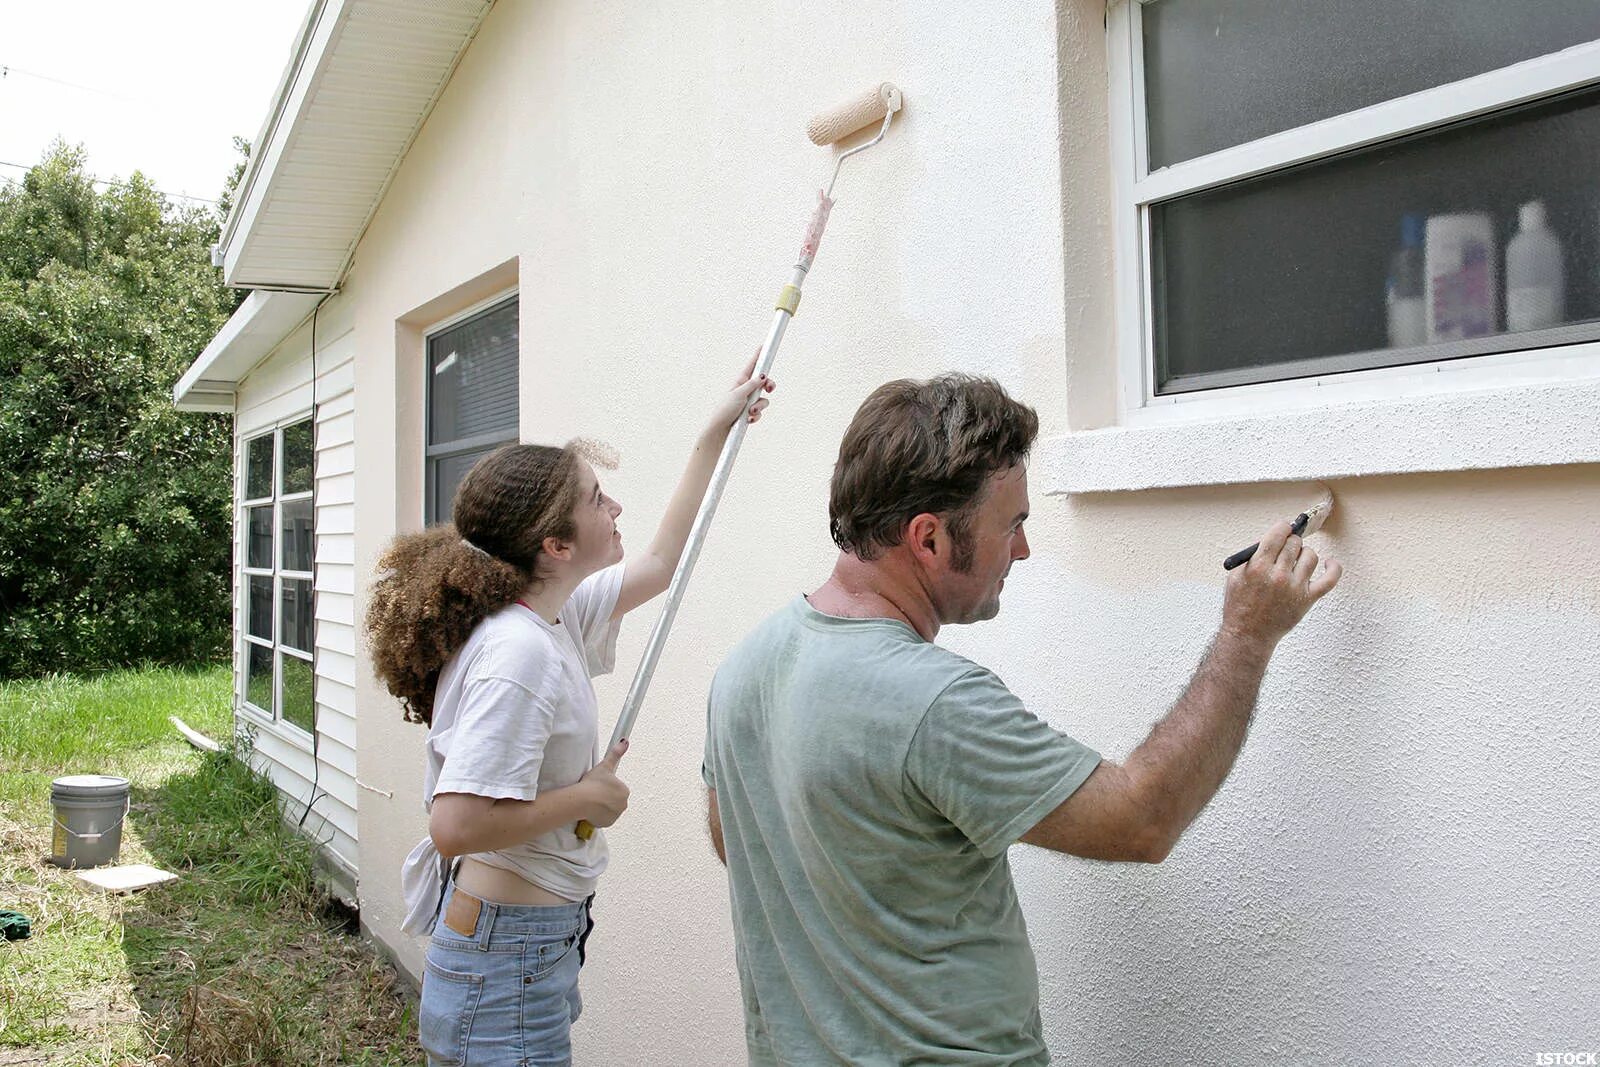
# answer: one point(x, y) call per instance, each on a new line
point(287, 277)
point(310, 48)
point(258, 326)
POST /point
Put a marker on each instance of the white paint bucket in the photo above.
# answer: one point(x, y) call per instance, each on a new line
point(89, 809)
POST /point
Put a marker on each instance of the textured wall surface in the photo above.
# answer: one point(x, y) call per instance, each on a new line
point(1402, 867)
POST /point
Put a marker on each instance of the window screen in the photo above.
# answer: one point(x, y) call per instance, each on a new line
point(1402, 253)
point(1219, 73)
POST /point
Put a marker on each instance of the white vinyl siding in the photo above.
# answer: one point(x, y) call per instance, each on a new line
point(312, 771)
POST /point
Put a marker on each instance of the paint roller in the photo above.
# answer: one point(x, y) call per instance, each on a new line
point(1305, 524)
point(875, 106)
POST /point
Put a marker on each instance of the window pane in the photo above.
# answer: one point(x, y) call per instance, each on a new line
point(1222, 72)
point(258, 467)
point(298, 682)
point(258, 676)
point(472, 371)
point(444, 478)
point(258, 537)
point(297, 540)
point(258, 607)
point(297, 457)
point(296, 618)
point(1254, 279)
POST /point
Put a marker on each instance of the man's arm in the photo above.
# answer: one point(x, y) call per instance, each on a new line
point(1138, 810)
point(714, 824)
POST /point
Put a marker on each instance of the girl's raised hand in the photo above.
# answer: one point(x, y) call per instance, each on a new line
point(736, 399)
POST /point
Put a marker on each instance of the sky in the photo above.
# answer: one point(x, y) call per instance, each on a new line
point(158, 86)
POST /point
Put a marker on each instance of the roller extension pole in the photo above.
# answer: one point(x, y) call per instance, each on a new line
point(788, 303)
point(702, 521)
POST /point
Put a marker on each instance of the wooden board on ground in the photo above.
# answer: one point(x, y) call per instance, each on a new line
point(127, 878)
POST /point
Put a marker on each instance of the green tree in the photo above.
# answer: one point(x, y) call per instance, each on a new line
point(115, 527)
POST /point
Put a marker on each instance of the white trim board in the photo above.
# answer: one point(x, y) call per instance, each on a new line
point(1528, 426)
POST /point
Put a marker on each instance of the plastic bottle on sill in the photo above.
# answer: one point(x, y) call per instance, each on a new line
point(1536, 284)
point(1403, 296)
point(1462, 282)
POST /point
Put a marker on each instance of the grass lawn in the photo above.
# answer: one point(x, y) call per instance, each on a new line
point(241, 961)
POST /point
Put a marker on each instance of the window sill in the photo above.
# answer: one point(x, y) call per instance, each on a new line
point(285, 732)
point(1522, 426)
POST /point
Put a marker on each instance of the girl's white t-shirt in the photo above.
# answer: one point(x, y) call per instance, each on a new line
point(514, 714)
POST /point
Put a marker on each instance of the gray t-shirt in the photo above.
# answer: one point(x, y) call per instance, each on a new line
point(869, 783)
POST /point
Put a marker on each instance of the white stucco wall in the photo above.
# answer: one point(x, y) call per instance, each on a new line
point(1401, 868)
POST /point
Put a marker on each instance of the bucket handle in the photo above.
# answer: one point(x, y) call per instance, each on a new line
point(126, 803)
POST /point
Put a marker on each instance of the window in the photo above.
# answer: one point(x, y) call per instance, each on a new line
point(279, 556)
point(1309, 189)
point(471, 399)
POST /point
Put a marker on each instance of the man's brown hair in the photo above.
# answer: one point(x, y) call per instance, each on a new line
point(916, 447)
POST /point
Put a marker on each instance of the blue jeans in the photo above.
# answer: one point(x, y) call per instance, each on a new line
point(504, 994)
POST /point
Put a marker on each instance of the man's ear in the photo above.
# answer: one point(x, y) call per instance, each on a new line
point(925, 535)
point(556, 548)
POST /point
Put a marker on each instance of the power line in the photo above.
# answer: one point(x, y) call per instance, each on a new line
point(6, 70)
point(114, 185)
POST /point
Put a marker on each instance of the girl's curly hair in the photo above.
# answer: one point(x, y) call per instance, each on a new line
point(433, 588)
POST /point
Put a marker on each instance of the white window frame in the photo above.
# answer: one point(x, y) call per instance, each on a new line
point(466, 444)
point(1136, 188)
point(273, 716)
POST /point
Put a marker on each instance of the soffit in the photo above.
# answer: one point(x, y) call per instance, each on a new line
point(364, 78)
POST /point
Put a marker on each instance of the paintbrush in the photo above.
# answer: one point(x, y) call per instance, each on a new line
point(1305, 524)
